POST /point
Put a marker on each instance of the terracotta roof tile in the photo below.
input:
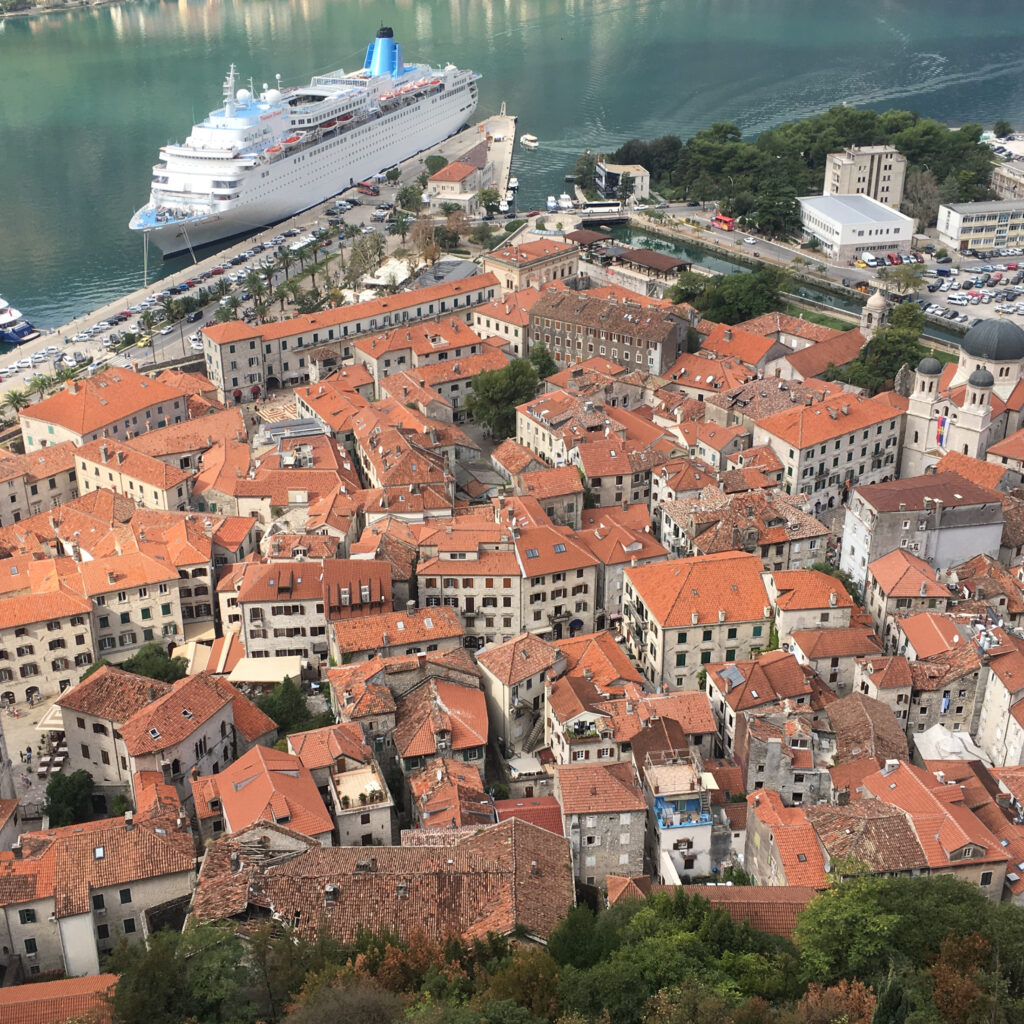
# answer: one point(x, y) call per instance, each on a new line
point(509, 875)
point(865, 727)
point(523, 656)
point(440, 708)
point(176, 715)
point(804, 426)
point(113, 694)
point(46, 1002)
point(769, 908)
point(901, 574)
point(543, 811)
point(856, 641)
point(598, 788)
point(675, 591)
point(423, 625)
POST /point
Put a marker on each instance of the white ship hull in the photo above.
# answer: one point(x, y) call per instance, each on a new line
point(293, 187)
point(258, 161)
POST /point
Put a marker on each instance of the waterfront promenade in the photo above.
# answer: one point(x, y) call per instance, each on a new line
point(499, 129)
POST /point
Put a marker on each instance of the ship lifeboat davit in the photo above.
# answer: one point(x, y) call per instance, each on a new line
point(273, 150)
point(292, 140)
point(329, 124)
point(436, 81)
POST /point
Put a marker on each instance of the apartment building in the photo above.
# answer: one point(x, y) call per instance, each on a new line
point(144, 479)
point(575, 326)
point(507, 318)
point(900, 584)
point(830, 446)
point(939, 517)
point(243, 359)
point(537, 578)
point(604, 814)
point(531, 264)
point(875, 171)
point(395, 633)
point(682, 615)
point(75, 894)
point(114, 403)
point(30, 484)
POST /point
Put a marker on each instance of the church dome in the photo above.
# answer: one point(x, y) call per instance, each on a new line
point(998, 341)
point(877, 301)
point(930, 366)
point(981, 379)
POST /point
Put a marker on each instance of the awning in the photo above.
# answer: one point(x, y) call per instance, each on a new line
point(200, 631)
point(52, 720)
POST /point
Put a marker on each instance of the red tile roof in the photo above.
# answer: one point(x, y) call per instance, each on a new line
point(450, 794)
point(767, 908)
point(265, 785)
point(440, 709)
point(523, 656)
point(729, 582)
point(805, 426)
point(901, 574)
point(543, 811)
point(911, 492)
point(598, 788)
point(801, 858)
point(802, 589)
point(421, 626)
point(856, 641)
point(322, 748)
point(47, 1002)
point(112, 694)
point(511, 875)
point(455, 172)
point(174, 716)
point(93, 403)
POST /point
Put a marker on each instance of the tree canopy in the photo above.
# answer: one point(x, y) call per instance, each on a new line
point(759, 179)
point(68, 798)
point(287, 707)
point(496, 393)
point(542, 361)
point(151, 660)
point(891, 347)
point(731, 298)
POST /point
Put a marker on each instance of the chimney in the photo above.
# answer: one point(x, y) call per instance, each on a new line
point(16, 848)
point(129, 822)
point(694, 618)
point(833, 599)
point(233, 857)
point(111, 577)
point(410, 607)
point(151, 694)
point(73, 386)
point(924, 588)
point(104, 452)
point(721, 615)
point(728, 335)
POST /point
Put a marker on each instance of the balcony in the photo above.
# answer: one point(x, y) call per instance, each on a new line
point(688, 813)
point(559, 615)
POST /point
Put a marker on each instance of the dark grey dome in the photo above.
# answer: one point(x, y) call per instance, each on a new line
point(997, 340)
point(981, 379)
point(930, 366)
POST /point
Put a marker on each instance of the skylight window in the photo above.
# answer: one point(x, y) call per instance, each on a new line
point(155, 733)
point(429, 623)
point(559, 549)
point(532, 553)
point(98, 852)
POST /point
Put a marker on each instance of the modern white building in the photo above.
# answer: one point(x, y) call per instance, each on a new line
point(848, 225)
point(996, 224)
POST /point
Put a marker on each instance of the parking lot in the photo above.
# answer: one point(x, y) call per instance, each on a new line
point(977, 287)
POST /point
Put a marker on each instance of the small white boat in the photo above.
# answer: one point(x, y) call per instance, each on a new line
point(565, 201)
point(509, 195)
point(503, 207)
point(513, 183)
point(529, 141)
point(552, 204)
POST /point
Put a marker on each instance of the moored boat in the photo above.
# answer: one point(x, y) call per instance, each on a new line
point(529, 141)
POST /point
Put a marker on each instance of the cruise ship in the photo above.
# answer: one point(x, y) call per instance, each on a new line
point(260, 159)
point(14, 328)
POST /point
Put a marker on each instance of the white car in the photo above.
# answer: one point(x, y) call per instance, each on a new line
point(750, 240)
point(24, 364)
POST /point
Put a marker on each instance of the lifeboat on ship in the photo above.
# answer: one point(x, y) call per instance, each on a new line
point(328, 125)
point(274, 150)
point(292, 140)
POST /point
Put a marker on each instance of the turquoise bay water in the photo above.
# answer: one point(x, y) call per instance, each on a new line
point(89, 97)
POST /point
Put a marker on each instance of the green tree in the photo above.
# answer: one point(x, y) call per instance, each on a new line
point(921, 196)
point(585, 170)
point(892, 1006)
point(393, 174)
point(496, 393)
point(865, 924)
point(489, 199)
point(287, 707)
point(198, 975)
point(354, 999)
point(410, 198)
point(68, 798)
point(1002, 128)
point(689, 287)
point(889, 349)
point(434, 163)
point(734, 297)
point(481, 235)
point(542, 361)
point(15, 400)
point(153, 661)
point(626, 187)
point(400, 225)
point(447, 209)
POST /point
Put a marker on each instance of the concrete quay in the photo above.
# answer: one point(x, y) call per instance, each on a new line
point(498, 128)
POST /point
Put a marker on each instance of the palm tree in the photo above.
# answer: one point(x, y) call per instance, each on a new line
point(222, 287)
point(167, 308)
point(66, 373)
point(281, 293)
point(253, 280)
point(286, 260)
point(259, 289)
point(261, 310)
point(148, 319)
point(39, 385)
point(15, 400)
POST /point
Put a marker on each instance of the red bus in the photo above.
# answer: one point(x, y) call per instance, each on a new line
point(723, 222)
point(368, 188)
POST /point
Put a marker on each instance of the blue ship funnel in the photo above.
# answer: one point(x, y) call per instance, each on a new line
point(384, 55)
